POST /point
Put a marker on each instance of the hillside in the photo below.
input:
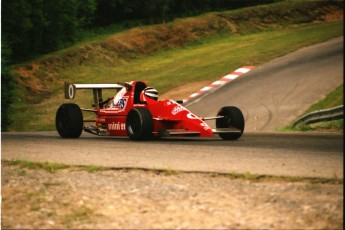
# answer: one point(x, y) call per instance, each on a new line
point(125, 55)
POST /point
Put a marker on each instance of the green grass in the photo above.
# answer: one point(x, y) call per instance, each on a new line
point(206, 60)
point(326, 125)
point(336, 124)
point(333, 99)
point(253, 177)
point(47, 166)
point(92, 168)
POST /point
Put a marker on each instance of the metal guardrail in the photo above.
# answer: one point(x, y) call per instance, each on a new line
point(335, 113)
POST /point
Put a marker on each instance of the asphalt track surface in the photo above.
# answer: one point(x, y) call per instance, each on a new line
point(273, 95)
point(306, 155)
point(270, 96)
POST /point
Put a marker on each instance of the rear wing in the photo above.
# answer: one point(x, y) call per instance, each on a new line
point(70, 89)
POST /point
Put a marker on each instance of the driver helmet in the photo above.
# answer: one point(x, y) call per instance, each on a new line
point(149, 95)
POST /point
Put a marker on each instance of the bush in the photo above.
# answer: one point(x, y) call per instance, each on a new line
point(7, 87)
point(7, 91)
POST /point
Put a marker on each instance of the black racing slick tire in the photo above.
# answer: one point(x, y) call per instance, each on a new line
point(139, 124)
point(232, 118)
point(69, 121)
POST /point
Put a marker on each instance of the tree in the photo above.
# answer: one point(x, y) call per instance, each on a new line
point(7, 87)
point(34, 27)
point(15, 25)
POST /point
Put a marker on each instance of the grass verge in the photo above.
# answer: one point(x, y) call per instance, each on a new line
point(47, 166)
point(55, 167)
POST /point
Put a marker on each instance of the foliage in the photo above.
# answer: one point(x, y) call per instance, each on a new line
point(33, 27)
point(6, 98)
point(7, 87)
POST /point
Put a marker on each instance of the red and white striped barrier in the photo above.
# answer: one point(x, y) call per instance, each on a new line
point(224, 80)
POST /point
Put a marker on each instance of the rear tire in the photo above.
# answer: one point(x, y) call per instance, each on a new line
point(233, 117)
point(69, 121)
point(139, 124)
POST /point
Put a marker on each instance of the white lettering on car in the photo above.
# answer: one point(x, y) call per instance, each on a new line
point(116, 126)
point(192, 116)
point(177, 109)
point(206, 127)
point(170, 102)
point(203, 124)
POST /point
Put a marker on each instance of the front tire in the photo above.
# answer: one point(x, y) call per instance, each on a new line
point(233, 117)
point(139, 124)
point(69, 121)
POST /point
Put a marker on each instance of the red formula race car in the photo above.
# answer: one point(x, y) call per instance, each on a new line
point(136, 112)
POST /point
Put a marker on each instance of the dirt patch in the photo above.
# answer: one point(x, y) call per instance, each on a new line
point(31, 78)
point(332, 14)
point(133, 199)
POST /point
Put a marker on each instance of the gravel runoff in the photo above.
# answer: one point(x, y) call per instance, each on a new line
point(140, 199)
